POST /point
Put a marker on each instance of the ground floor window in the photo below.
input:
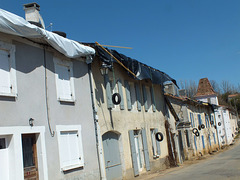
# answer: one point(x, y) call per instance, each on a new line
point(70, 147)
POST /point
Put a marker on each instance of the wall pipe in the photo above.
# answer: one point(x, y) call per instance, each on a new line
point(96, 124)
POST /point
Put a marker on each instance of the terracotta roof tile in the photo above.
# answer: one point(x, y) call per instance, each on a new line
point(205, 88)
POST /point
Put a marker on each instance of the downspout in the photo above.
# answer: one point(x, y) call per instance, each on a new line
point(96, 124)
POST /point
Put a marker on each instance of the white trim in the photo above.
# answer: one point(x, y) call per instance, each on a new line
point(16, 149)
point(68, 128)
point(11, 49)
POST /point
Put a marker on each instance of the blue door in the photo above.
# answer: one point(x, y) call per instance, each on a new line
point(112, 155)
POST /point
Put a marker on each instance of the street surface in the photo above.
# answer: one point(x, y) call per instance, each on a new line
point(225, 165)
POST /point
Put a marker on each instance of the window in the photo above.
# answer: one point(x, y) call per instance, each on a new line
point(155, 143)
point(203, 142)
point(199, 119)
point(2, 143)
point(187, 138)
point(148, 97)
point(8, 85)
point(70, 147)
point(133, 95)
point(192, 119)
point(64, 80)
point(207, 121)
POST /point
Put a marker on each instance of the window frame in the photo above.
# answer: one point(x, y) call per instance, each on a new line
point(70, 128)
point(10, 48)
point(69, 64)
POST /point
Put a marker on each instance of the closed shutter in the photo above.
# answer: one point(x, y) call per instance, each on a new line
point(69, 148)
point(63, 82)
point(145, 149)
point(209, 138)
point(133, 153)
point(191, 119)
point(127, 88)
point(195, 142)
point(145, 98)
point(138, 95)
point(5, 83)
point(108, 91)
point(157, 143)
point(199, 119)
point(214, 138)
point(121, 94)
point(153, 100)
point(203, 142)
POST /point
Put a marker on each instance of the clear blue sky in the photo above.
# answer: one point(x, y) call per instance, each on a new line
point(187, 39)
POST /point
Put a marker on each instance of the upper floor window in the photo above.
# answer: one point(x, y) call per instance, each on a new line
point(148, 97)
point(8, 85)
point(192, 119)
point(64, 80)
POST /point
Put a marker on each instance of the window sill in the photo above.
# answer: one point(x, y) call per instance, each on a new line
point(67, 168)
point(8, 95)
point(67, 100)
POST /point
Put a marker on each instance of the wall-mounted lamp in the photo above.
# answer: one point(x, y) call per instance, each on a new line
point(104, 69)
point(31, 122)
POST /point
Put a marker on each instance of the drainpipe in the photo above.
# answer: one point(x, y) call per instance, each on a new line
point(97, 127)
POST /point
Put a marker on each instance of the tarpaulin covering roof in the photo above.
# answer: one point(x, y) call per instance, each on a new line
point(15, 25)
point(142, 71)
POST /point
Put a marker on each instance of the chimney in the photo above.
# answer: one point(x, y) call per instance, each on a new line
point(32, 14)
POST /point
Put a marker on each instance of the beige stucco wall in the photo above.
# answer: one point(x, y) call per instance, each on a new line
point(125, 120)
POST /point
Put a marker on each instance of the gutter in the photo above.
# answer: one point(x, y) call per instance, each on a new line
point(96, 124)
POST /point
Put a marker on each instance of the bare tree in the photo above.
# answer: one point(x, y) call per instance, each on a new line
point(226, 87)
point(215, 86)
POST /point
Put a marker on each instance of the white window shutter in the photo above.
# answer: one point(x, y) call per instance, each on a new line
point(5, 83)
point(63, 82)
point(74, 147)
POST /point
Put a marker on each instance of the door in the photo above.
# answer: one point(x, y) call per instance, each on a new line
point(181, 144)
point(139, 149)
point(29, 150)
point(112, 155)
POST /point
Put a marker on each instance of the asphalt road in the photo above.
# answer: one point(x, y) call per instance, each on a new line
point(225, 165)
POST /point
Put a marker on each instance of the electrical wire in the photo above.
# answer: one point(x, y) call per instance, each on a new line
point(46, 93)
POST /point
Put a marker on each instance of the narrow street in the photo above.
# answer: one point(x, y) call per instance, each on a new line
point(225, 165)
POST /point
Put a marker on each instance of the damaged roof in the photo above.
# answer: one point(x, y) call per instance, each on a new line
point(140, 70)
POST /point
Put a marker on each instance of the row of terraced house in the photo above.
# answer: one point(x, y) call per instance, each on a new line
point(81, 111)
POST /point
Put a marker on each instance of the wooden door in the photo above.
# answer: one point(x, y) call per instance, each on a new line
point(29, 150)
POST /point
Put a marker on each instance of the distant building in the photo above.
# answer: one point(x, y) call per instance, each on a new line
point(205, 93)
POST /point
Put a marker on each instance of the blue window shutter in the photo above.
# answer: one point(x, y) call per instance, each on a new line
point(133, 152)
point(203, 142)
point(145, 150)
point(138, 95)
point(209, 138)
point(127, 88)
point(199, 119)
point(108, 92)
point(214, 138)
point(195, 142)
point(157, 143)
point(145, 98)
point(121, 94)
point(193, 120)
point(153, 100)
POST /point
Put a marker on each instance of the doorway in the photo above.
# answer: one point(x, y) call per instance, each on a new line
point(30, 162)
point(112, 157)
